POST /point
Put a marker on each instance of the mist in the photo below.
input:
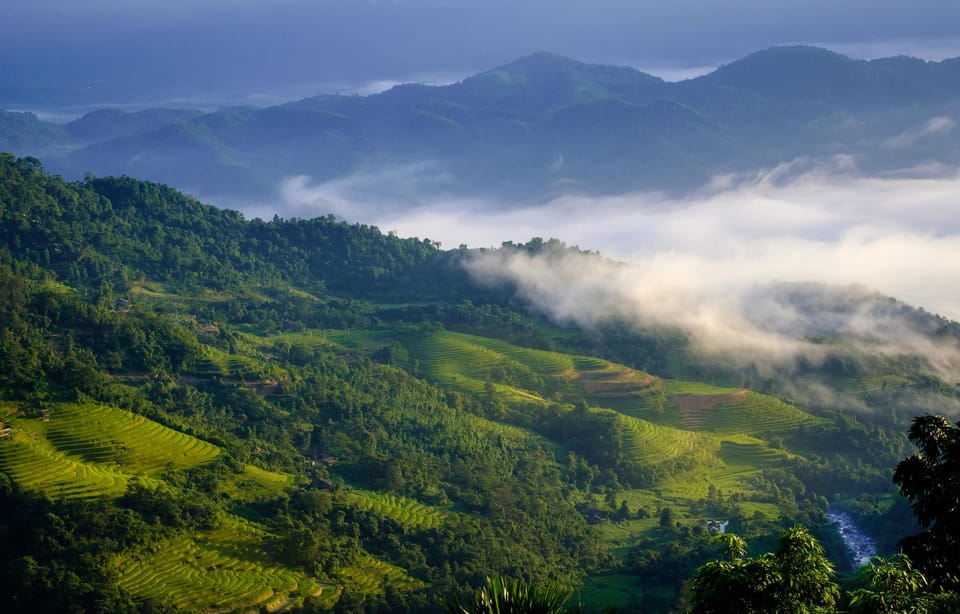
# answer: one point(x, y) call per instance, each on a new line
point(758, 268)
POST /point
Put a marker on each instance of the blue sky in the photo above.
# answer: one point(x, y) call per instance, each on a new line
point(285, 48)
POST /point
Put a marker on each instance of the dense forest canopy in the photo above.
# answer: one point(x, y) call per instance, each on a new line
point(207, 412)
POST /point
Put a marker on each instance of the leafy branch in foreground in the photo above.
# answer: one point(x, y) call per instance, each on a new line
point(512, 596)
point(930, 480)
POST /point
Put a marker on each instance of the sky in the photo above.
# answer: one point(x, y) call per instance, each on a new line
point(250, 51)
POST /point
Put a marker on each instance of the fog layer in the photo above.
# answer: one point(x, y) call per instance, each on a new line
point(722, 263)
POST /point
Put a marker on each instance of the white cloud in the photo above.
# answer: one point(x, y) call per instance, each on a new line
point(935, 125)
point(713, 262)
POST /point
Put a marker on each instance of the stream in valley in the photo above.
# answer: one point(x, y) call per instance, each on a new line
point(860, 544)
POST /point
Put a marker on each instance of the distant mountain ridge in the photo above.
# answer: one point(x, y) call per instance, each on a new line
point(534, 127)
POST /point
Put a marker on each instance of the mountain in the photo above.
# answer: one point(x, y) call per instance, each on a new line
point(24, 132)
point(109, 124)
point(539, 126)
point(817, 75)
point(206, 412)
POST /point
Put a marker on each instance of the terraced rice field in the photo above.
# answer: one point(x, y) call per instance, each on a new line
point(409, 513)
point(218, 362)
point(739, 412)
point(701, 407)
point(359, 338)
point(219, 571)
point(99, 433)
point(749, 454)
point(866, 385)
point(508, 434)
point(371, 576)
point(38, 468)
point(541, 361)
point(465, 363)
point(740, 457)
point(308, 340)
point(88, 451)
point(648, 443)
point(255, 484)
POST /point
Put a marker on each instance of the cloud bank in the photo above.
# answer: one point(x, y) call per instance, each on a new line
point(752, 267)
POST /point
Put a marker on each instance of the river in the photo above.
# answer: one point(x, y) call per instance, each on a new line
point(862, 545)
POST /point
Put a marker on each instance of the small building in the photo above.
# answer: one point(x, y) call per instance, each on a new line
point(717, 526)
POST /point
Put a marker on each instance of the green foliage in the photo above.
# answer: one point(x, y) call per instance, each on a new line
point(894, 587)
point(512, 596)
point(281, 415)
point(796, 578)
point(929, 480)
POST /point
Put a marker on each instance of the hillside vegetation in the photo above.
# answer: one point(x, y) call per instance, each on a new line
point(214, 414)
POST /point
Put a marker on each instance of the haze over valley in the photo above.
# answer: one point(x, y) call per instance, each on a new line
point(394, 306)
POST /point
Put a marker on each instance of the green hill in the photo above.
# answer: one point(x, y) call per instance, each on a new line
point(211, 413)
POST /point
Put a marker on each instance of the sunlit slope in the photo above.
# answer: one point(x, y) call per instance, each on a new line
point(86, 451)
point(409, 513)
point(89, 450)
point(222, 570)
point(471, 363)
point(647, 443)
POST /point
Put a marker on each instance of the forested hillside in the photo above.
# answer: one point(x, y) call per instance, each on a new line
point(537, 127)
point(205, 412)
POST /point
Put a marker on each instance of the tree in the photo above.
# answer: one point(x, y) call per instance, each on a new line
point(666, 519)
point(894, 587)
point(795, 579)
point(930, 481)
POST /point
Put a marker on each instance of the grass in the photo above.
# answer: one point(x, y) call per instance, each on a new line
point(613, 590)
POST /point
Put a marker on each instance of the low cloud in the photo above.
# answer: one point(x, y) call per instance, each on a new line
point(752, 267)
point(935, 125)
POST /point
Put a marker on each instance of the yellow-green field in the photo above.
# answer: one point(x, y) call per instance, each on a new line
point(90, 450)
point(221, 570)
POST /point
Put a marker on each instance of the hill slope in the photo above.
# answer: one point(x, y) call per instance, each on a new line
point(531, 128)
point(280, 414)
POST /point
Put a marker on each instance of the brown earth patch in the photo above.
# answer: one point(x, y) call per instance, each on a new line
point(704, 402)
point(620, 384)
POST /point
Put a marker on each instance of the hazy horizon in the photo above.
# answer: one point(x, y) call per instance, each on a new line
point(213, 53)
point(705, 253)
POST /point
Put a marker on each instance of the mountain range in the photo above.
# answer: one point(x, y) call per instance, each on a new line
point(539, 126)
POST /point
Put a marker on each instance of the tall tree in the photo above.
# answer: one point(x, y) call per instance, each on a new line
point(796, 579)
point(930, 480)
